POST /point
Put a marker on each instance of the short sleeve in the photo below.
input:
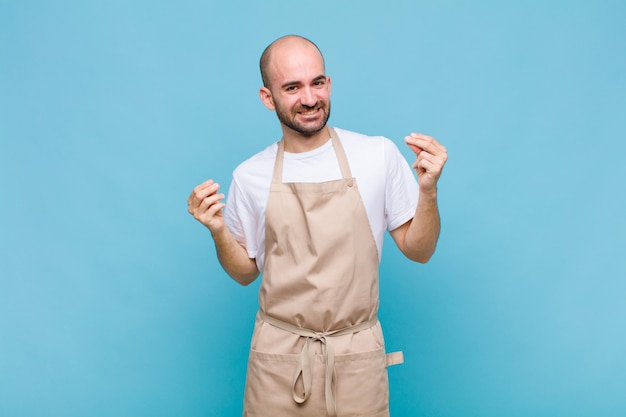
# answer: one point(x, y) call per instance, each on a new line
point(401, 190)
point(240, 219)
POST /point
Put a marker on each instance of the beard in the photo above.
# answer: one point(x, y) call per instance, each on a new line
point(288, 118)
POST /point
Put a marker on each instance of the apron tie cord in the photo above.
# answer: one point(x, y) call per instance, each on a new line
point(307, 357)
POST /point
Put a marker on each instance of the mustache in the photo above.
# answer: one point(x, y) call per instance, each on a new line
point(316, 106)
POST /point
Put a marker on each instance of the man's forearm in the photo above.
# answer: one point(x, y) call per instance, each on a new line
point(420, 239)
point(234, 258)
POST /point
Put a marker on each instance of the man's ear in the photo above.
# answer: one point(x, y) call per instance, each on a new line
point(266, 98)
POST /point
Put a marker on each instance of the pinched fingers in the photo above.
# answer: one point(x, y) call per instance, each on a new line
point(428, 163)
point(200, 204)
point(202, 191)
point(205, 205)
point(431, 156)
point(420, 142)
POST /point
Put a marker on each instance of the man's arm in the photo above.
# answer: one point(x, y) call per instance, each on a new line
point(418, 237)
point(205, 206)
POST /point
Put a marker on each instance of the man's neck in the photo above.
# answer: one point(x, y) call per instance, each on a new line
point(296, 142)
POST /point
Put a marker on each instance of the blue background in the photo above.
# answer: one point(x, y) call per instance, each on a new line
point(112, 302)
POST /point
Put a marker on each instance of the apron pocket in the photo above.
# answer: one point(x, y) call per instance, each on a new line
point(362, 384)
point(269, 389)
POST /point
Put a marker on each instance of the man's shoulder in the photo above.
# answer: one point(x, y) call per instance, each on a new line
point(257, 164)
point(351, 135)
point(362, 141)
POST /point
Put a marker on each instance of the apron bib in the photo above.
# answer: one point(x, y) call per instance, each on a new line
point(317, 347)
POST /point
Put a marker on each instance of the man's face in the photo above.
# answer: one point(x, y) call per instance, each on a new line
point(300, 90)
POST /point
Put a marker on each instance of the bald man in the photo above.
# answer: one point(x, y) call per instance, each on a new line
point(310, 211)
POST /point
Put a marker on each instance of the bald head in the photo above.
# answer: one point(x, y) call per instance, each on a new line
point(280, 47)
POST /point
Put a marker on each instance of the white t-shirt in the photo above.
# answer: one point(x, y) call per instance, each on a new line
point(385, 180)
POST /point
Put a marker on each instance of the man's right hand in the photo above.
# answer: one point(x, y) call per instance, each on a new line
point(205, 205)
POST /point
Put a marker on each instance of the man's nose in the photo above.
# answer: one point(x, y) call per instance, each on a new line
point(308, 98)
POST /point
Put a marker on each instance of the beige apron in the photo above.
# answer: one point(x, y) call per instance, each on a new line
point(317, 348)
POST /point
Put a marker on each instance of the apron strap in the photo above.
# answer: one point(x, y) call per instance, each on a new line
point(394, 358)
point(277, 176)
point(341, 154)
point(307, 357)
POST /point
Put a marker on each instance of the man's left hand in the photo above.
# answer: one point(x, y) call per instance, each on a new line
point(431, 157)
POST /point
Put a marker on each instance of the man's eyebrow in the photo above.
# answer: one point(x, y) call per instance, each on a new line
point(290, 83)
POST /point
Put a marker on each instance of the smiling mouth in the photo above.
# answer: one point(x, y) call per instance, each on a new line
point(309, 112)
